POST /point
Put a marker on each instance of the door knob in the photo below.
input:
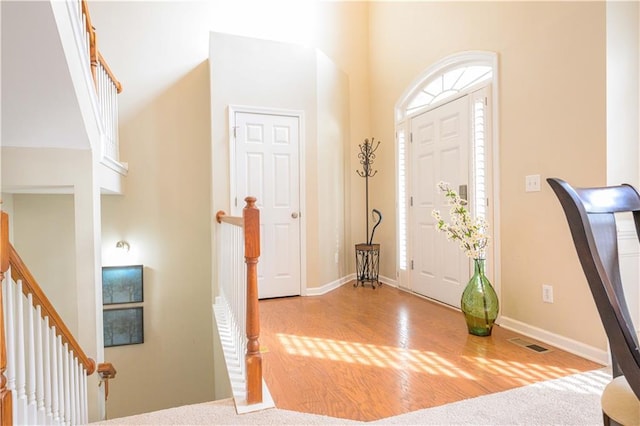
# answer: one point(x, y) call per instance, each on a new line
point(294, 215)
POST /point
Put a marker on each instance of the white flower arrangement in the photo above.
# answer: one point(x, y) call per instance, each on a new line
point(470, 233)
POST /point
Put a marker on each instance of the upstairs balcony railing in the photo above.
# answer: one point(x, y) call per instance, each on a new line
point(107, 85)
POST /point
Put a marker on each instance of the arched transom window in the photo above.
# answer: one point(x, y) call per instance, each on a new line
point(448, 84)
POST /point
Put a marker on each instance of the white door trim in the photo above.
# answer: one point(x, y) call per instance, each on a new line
point(402, 120)
point(231, 111)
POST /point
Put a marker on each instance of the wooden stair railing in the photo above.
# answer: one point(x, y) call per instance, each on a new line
point(95, 56)
point(9, 259)
point(106, 84)
point(250, 222)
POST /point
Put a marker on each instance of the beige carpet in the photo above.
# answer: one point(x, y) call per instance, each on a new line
point(571, 400)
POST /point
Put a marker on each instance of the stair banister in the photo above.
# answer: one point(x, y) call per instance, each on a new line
point(6, 402)
point(19, 271)
point(250, 224)
point(47, 367)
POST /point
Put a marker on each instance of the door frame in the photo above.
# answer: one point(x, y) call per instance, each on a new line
point(402, 127)
point(232, 109)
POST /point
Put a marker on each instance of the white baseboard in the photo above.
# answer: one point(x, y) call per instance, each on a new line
point(319, 291)
point(388, 281)
point(561, 342)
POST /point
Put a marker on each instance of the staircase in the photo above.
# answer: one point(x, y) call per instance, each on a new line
point(43, 368)
point(59, 136)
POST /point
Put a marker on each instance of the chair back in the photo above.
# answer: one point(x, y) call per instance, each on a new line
point(591, 216)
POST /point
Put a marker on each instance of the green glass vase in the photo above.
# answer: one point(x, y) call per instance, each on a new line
point(479, 302)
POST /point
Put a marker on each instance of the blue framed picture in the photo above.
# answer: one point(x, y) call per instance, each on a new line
point(122, 284)
point(122, 326)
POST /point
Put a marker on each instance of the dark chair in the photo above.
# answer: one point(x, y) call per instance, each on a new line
point(590, 213)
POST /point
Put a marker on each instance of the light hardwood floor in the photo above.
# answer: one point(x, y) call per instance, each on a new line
point(364, 354)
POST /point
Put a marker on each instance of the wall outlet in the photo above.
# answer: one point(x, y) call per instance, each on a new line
point(547, 293)
point(532, 183)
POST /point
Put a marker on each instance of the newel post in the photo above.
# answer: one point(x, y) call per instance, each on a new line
point(253, 359)
point(6, 414)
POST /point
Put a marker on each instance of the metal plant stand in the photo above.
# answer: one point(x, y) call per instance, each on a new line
point(368, 254)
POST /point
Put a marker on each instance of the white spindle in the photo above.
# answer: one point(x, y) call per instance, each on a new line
point(48, 378)
point(56, 376)
point(72, 389)
point(83, 401)
point(78, 389)
point(116, 138)
point(67, 384)
point(40, 349)
point(10, 326)
point(21, 376)
point(31, 361)
point(232, 295)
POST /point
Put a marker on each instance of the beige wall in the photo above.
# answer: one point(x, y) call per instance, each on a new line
point(260, 73)
point(43, 234)
point(551, 122)
point(159, 51)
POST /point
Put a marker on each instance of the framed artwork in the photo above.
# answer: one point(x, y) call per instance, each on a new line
point(123, 326)
point(121, 284)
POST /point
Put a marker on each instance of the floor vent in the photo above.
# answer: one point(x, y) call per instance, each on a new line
point(529, 345)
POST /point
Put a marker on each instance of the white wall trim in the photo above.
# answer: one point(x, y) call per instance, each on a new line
point(319, 291)
point(561, 342)
point(388, 281)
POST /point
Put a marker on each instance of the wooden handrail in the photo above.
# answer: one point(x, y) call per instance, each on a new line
point(19, 271)
point(109, 72)
point(94, 54)
point(253, 358)
point(6, 404)
point(221, 216)
point(106, 371)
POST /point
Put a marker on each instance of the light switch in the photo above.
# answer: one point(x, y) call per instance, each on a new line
point(532, 183)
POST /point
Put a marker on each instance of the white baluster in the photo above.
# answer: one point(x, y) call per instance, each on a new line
point(40, 338)
point(10, 326)
point(83, 401)
point(78, 390)
point(67, 385)
point(116, 137)
point(72, 389)
point(48, 383)
point(21, 376)
point(31, 362)
point(56, 376)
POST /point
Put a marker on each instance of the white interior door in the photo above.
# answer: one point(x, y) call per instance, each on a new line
point(440, 138)
point(267, 167)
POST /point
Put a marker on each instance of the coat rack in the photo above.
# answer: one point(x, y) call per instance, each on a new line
point(368, 253)
point(367, 156)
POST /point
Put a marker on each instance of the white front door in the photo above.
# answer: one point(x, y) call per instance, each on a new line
point(267, 167)
point(439, 269)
